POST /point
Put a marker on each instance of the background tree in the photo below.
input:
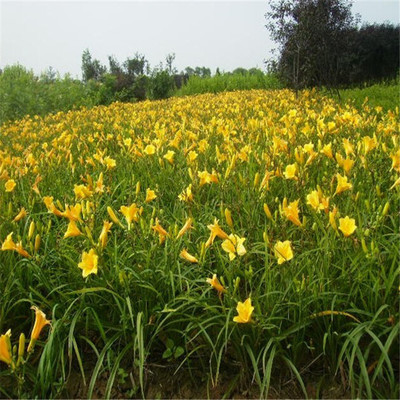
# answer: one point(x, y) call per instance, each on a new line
point(374, 54)
point(321, 44)
point(91, 68)
point(312, 37)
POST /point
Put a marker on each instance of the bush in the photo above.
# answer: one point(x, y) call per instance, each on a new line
point(161, 85)
point(22, 93)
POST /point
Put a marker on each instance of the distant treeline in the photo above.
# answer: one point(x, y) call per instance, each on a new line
point(321, 44)
point(22, 92)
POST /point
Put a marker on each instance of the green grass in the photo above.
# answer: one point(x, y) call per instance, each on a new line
point(386, 96)
point(228, 82)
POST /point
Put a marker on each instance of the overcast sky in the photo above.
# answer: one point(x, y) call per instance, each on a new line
point(224, 34)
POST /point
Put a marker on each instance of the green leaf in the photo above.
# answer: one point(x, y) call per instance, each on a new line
point(178, 352)
point(167, 353)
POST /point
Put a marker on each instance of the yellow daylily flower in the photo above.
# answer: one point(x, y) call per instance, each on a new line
point(48, 201)
point(206, 177)
point(347, 165)
point(342, 184)
point(40, 323)
point(10, 185)
point(283, 251)
point(20, 250)
point(244, 310)
point(149, 150)
point(332, 221)
point(215, 231)
point(131, 213)
point(150, 195)
point(82, 192)
point(5, 348)
point(291, 211)
point(215, 283)
point(169, 156)
point(72, 230)
point(313, 200)
point(109, 163)
point(187, 226)
point(8, 243)
point(347, 225)
point(348, 147)
point(73, 213)
point(234, 246)
point(104, 233)
point(89, 263)
point(22, 214)
point(162, 233)
point(290, 171)
point(184, 254)
point(327, 150)
point(186, 194)
point(99, 184)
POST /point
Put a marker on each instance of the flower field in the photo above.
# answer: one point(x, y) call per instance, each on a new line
point(249, 237)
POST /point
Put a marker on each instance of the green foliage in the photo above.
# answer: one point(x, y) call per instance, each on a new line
point(19, 93)
point(321, 45)
point(386, 96)
point(161, 85)
point(228, 82)
point(22, 93)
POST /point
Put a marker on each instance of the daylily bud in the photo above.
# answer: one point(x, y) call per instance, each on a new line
point(256, 179)
point(385, 209)
point(31, 230)
point(364, 246)
point(228, 217)
point(37, 242)
point(21, 348)
point(21, 345)
point(267, 211)
point(88, 233)
point(203, 250)
point(112, 215)
point(237, 282)
point(137, 187)
point(58, 204)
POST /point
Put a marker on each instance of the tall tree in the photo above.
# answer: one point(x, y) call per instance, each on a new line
point(91, 68)
point(312, 37)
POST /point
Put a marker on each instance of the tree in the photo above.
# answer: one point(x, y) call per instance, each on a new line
point(169, 60)
point(374, 51)
point(91, 69)
point(136, 66)
point(312, 36)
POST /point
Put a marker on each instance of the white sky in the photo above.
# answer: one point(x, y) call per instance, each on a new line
point(224, 34)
